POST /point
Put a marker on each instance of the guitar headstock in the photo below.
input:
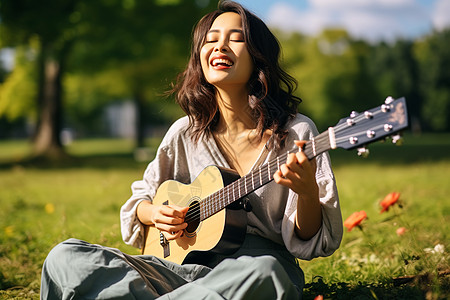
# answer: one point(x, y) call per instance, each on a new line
point(374, 124)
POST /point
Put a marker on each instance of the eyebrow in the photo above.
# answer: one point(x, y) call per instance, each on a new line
point(232, 30)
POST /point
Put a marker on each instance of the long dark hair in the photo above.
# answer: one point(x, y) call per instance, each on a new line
point(270, 88)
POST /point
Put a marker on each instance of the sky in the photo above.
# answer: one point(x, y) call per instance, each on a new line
point(371, 20)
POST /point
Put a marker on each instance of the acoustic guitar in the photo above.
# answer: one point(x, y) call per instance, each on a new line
point(216, 198)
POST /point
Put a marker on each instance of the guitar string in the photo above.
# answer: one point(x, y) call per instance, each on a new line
point(194, 212)
point(357, 119)
point(215, 201)
point(212, 202)
point(347, 137)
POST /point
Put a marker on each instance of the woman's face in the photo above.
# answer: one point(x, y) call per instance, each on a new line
point(224, 56)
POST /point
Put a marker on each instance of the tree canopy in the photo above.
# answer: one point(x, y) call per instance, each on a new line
point(69, 42)
point(73, 57)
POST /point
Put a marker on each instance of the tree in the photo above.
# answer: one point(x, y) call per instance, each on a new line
point(394, 71)
point(148, 44)
point(48, 24)
point(433, 56)
point(134, 36)
point(332, 73)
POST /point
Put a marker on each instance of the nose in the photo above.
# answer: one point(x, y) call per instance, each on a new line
point(221, 45)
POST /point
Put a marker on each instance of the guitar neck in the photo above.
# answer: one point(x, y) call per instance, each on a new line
point(260, 176)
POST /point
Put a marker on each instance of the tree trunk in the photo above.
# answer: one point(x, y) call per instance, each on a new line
point(47, 142)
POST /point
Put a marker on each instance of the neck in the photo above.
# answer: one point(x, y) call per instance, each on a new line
point(235, 112)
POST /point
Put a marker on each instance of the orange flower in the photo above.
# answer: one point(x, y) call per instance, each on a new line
point(319, 297)
point(401, 231)
point(389, 200)
point(355, 219)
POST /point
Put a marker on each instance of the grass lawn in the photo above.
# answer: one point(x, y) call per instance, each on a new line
point(42, 206)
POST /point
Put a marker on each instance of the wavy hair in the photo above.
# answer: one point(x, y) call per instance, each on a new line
point(270, 88)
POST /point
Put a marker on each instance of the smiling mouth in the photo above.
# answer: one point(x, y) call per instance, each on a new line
point(221, 62)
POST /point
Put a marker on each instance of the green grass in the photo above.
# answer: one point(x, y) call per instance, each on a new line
point(42, 206)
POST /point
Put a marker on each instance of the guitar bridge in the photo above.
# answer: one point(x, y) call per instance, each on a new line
point(165, 244)
point(163, 241)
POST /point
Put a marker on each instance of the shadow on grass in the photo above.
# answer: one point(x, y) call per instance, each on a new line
point(95, 161)
point(417, 287)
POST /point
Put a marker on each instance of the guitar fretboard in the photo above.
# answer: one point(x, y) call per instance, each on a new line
point(258, 177)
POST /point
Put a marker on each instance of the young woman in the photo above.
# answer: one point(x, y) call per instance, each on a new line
point(240, 114)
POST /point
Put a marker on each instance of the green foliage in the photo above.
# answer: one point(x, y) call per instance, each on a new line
point(337, 75)
point(137, 46)
point(331, 73)
point(433, 56)
point(18, 91)
point(25, 19)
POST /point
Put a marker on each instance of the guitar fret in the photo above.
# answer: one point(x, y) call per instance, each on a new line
point(211, 200)
point(253, 182)
point(224, 202)
point(260, 176)
point(245, 184)
point(202, 204)
point(239, 192)
point(218, 202)
point(210, 203)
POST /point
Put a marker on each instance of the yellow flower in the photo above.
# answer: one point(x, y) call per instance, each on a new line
point(9, 230)
point(49, 208)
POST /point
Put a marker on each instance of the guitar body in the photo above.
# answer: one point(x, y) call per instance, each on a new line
point(222, 233)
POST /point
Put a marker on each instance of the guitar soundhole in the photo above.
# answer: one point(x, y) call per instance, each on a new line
point(193, 217)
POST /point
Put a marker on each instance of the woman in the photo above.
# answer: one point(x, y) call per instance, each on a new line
point(240, 114)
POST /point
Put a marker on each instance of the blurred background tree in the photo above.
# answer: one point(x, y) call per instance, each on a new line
point(332, 73)
point(74, 58)
point(433, 58)
point(338, 74)
point(46, 32)
point(90, 52)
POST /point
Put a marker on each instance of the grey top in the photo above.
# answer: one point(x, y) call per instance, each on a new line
point(274, 206)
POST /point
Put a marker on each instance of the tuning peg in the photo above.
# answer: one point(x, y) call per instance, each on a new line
point(397, 139)
point(363, 152)
point(353, 114)
point(388, 100)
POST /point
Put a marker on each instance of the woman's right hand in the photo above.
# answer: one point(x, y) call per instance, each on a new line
point(169, 219)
